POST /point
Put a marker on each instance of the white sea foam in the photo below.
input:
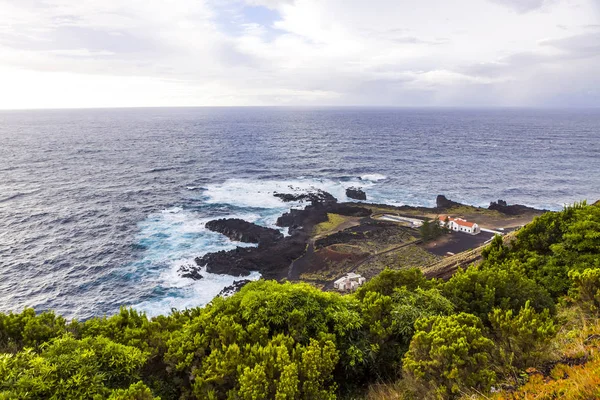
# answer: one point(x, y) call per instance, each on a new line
point(173, 237)
point(260, 193)
point(187, 292)
point(373, 177)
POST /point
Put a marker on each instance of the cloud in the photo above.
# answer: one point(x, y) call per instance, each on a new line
point(301, 52)
point(523, 6)
point(273, 4)
point(582, 45)
point(81, 53)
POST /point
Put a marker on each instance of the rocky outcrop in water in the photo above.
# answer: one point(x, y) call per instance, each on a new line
point(272, 260)
point(356, 193)
point(242, 231)
point(295, 219)
point(315, 197)
point(443, 203)
point(190, 271)
point(513, 209)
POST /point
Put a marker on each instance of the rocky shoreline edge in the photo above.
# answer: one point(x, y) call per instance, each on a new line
point(274, 253)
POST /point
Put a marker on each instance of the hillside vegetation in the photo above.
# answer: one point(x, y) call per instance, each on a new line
point(521, 324)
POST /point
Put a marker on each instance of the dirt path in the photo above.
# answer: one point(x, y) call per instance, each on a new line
point(299, 263)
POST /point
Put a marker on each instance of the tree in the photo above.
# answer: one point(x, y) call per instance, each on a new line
point(389, 280)
point(409, 306)
point(586, 289)
point(478, 290)
point(68, 368)
point(523, 339)
point(450, 353)
point(431, 229)
point(29, 329)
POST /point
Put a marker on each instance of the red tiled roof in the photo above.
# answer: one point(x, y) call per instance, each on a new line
point(458, 221)
point(462, 222)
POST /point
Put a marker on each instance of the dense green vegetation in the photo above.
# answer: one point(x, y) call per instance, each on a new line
point(484, 326)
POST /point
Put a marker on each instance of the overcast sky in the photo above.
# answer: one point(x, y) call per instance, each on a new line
point(120, 53)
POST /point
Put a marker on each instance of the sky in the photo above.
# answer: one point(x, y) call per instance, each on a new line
point(420, 53)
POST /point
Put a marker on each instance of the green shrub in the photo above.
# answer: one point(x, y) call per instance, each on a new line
point(586, 289)
point(409, 306)
point(137, 391)
point(523, 340)
point(29, 329)
point(495, 252)
point(68, 368)
point(268, 333)
point(389, 280)
point(556, 243)
point(451, 353)
point(479, 290)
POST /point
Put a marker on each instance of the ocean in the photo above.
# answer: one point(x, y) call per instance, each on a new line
point(100, 208)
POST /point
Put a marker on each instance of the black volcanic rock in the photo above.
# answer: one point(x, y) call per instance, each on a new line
point(513, 209)
point(316, 197)
point(315, 214)
point(243, 231)
point(191, 272)
point(272, 260)
point(233, 288)
point(297, 218)
point(287, 197)
point(443, 203)
point(356, 193)
point(350, 211)
point(232, 262)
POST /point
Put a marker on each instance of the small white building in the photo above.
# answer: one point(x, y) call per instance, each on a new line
point(349, 282)
point(460, 225)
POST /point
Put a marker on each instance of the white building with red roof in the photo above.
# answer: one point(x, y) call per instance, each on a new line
point(460, 225)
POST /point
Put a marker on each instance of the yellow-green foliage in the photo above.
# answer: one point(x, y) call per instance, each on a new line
point(523, 340)
point(333, 221)
point(479, 290)
point(276, 340)
point(292, 341)
point(137, 391)
point(578, 375)
point(586, 289)
point(27, 329)
point(70, 369)
point(451, 353)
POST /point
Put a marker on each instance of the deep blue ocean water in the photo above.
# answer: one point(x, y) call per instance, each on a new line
point(99, 208)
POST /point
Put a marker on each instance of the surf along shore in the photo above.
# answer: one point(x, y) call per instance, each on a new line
point(327, 239)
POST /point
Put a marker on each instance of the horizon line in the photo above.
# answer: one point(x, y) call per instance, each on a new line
point(591, 107)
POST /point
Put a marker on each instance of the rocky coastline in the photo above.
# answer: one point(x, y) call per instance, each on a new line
point(242, 231)
point(356, 193)
point(513, 209)
point(275, 253)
